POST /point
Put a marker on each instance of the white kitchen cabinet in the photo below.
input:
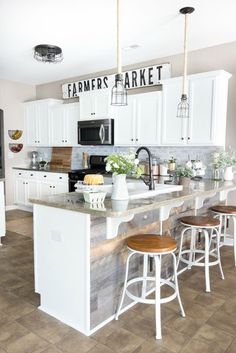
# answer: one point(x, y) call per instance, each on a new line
point(63, 124)
point(138, 123)
point(35, 184)
point(95, 105)
point(25, 187)
point(36, 114)
point(207, 106)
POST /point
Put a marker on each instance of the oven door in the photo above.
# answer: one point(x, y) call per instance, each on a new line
point(96, 132)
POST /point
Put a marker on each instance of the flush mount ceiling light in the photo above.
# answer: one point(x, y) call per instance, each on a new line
point(183, 106)
point(48, 53)
point(118, 93)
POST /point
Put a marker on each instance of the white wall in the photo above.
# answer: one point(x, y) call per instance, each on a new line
point(12, 94)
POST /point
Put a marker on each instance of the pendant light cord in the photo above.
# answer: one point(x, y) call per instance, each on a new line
point(118, 39)
point(185, 85)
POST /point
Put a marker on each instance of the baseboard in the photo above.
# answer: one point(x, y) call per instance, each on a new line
point(11, 207)
point(18, 207)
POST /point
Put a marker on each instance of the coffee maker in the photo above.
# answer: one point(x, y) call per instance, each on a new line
point(34, 164)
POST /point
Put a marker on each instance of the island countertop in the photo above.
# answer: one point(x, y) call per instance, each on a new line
point(73, 201)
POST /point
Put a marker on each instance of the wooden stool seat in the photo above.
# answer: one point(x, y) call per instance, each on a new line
point(151, 243)
point(224, 209)
point(200, 221)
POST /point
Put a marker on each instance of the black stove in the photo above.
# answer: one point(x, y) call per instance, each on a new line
point(97, 166)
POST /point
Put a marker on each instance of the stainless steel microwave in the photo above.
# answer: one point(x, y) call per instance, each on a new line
point(96, 132)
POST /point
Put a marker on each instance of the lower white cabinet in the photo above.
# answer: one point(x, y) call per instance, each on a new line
point(30, 184)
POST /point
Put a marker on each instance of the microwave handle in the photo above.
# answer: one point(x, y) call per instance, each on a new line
point(102, 133)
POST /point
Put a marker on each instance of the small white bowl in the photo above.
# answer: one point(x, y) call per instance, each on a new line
point(94, 196)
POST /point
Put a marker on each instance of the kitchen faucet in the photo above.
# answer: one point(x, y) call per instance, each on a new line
point(150, 181)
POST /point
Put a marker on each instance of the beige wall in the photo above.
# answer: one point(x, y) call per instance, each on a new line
point(208, 59)
point(12, 94)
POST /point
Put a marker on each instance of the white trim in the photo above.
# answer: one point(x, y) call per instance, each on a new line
point(11, 207)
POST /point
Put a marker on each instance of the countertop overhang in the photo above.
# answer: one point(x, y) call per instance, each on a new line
point(73, 201)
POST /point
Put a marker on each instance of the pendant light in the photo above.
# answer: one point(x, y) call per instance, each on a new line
point(118, 93)
point(183, 106)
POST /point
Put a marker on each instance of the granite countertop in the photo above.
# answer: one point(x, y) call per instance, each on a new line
point(74, 201)
point(53, 170)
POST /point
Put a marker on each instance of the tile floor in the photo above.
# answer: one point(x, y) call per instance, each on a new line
point(209, 326)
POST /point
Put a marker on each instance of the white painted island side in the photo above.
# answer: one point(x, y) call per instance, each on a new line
point(2, 210)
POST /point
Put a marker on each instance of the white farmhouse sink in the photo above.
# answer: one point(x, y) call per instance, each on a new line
point(139, 190)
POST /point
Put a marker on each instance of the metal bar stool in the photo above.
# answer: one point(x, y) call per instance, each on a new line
point(224, 213)
point(209, 227)
point(156, 246)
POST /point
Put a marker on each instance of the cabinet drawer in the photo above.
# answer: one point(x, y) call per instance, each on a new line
point(47, 176)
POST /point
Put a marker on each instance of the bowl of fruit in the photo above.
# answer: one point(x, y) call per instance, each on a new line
point(15, 147)
point(15, 134)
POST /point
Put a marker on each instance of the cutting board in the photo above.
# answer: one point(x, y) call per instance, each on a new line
point(61, 158)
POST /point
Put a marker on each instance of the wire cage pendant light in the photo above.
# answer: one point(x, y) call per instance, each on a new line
point(119, 92)
point(183, 106)
point(47, 53)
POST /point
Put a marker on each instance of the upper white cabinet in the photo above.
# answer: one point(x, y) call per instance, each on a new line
point(208, 106)
point(63, 124)
point(95, 105)
point(139, 121)
point(36, 114)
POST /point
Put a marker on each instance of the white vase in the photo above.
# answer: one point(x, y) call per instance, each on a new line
point(119, 187)
point(228, 173)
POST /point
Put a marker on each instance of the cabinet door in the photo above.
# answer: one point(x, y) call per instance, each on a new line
point(20, 194)
point(101, 103)
point(60, 188)
point(57, 126)
point(71, 117)
point(148, 118)
point(200, 125)
point(31, 123)
point(31, 191)
point(124, 123)
point(86, 106)
point(173, 128)
point(45, 189)
point(43, 123)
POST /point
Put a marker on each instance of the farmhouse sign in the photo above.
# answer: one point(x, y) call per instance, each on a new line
point(143, 77)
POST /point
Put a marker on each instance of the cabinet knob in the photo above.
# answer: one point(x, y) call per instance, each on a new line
point(45, 176)
point(136, 139)
point(188, 138)
point(62, 140)
point(35, 141)
point(31, 174)
point(60, 177)
point(65, 140)
point(182, 138)
point(19, 173)
point(50, 186)
point(132, 139)
point(53, 187)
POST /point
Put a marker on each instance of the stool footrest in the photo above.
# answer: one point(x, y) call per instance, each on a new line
point(146, 300)
point(195, 263)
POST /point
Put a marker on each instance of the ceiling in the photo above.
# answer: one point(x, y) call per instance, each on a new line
point(86, 31)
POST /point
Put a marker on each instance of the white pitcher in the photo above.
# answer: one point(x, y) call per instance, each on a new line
point(229, 173)
point(119, 187)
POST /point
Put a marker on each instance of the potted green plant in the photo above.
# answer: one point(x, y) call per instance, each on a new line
point(184, 174)
point(121, 164)
point(224, 160)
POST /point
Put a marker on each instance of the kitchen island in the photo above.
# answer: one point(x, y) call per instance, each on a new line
point(80, 253)
point(2, 210)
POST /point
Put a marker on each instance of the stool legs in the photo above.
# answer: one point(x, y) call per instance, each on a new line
point(207, 274)
point(234, 222)
point(145, 267)
point(125, 285)
point(177, 285)
point(158, 297)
